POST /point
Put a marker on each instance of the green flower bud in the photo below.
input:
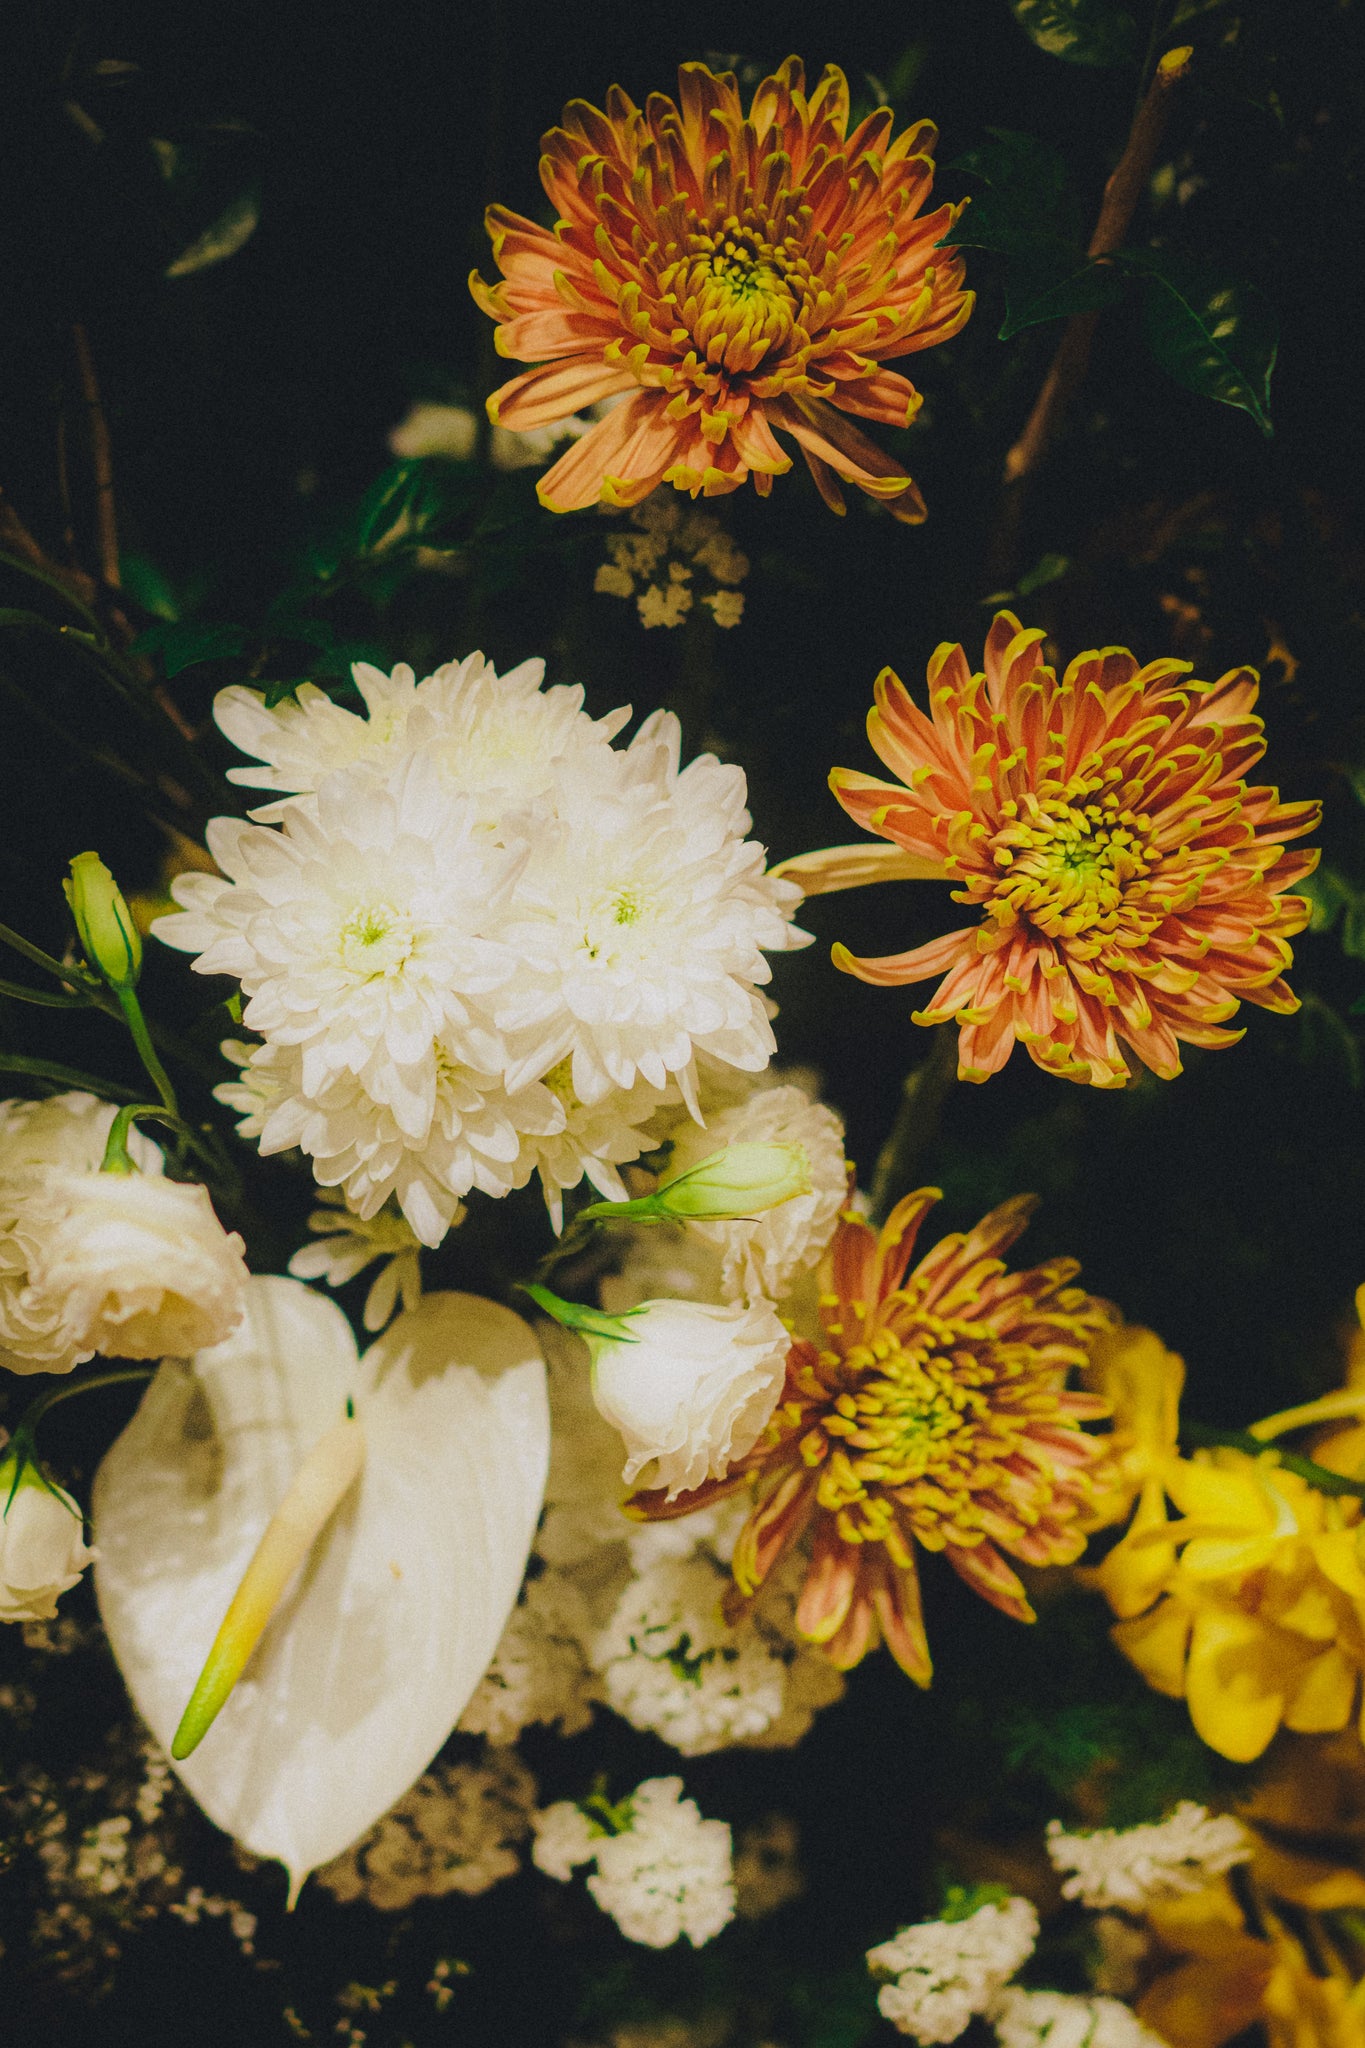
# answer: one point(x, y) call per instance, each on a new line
point(104, 922)
point(742, 1180)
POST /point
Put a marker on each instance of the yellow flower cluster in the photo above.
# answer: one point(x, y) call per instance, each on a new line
point(1250, 1601)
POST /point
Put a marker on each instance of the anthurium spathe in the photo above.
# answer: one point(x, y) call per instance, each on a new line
point(372, 1653)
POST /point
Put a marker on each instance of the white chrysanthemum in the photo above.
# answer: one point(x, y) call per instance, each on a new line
point(640, 922)
point(355, 930)
point(762, 1255)
point(500, 740)
point(133, 1265)
point(539, 1672)
point(349, 1243)
point(671, 1663)
point(1131, 1867)
point(945, 1972)
point(593, 1139)
point(476, 1139)
point(669, 1873)
point(455, 1830)
point(1057, 2019)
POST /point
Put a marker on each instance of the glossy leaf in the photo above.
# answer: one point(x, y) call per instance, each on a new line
point(231, 231)
point(368, 1662)
point(1030, 201)
point(1031, 297)
point(1211, 333)
point(1079, 31)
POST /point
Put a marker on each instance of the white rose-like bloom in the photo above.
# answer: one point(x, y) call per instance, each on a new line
point(640, 921)
point(945, 1972)
point(691, 1393)
point(42, 1545)
point(762, 1255)
point(1131, 1867)
point(1058, 2019)
point(503, 741)
point(129, 1264)
point(143, 1266)
point(669, 1873)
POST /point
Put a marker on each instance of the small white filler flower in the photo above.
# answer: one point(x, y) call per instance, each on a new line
point(663, 1872)
point(1059, 2019)
point(1131, 1867)
point(945, 1972)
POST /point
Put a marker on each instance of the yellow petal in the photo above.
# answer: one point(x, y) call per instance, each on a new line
point(1321, 1700)
point(1213, 1494)
point(1157, 1644)
point(1235, 1682)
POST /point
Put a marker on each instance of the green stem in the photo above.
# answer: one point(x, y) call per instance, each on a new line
point(65, 1077)
point(74, 977)
point(21, 994)
point(22, 1446)
point(923, 1094)
point(1317, 1476)
point(146, 1051)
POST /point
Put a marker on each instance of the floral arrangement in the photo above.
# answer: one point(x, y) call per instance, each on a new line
point(498, 1443)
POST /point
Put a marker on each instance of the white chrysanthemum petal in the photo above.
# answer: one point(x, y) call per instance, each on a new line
point(371, 1659)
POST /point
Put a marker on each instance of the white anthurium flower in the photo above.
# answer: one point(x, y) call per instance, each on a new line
point(373, 1651)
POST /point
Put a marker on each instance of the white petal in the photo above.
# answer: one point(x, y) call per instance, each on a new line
point(370, 1659)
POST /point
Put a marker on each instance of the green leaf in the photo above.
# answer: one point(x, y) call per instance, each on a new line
point(1333, 897)
point(1326, 1040)
point(1079, 31)
point(183, 645)
point(1030, 202)
point(1213, 334)
point(1031, 298)
point(233, 228)
point(1046, 570)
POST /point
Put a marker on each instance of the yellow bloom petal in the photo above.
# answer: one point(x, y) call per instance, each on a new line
point(1322, 1699)
point(1157, 1643)
point(1236, 1681)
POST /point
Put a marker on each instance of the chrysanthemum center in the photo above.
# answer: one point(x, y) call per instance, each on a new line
point(619, 916)
point(737, 291)
point(908, 1411)
point(1065, 866)
point(375, 940)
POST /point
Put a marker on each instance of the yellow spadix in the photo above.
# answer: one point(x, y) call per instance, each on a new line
point(322, 1481)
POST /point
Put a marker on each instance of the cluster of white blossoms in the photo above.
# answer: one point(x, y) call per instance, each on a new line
point(943, 1973)
point(1061, 2019)
point(129, 1264)
point(662, 1870)
point(1131, 1867)
point(457, 1829)
point(478, 941)
point(658, 565)
point(628, 1614)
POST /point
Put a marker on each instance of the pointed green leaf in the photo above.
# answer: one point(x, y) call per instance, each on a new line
point(233, 228)
point(1033, 296)
point(1030, 200)
point(1079, 31)
point(1211, 333)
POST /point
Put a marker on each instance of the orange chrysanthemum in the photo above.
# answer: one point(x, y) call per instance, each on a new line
point(937, 1413)
point(1131, 881)
point(733, 274)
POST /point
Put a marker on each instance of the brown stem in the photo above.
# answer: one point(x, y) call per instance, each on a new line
point(1121, 196)
point(101, 458)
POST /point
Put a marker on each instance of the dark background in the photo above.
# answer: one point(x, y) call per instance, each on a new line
point(249, 407)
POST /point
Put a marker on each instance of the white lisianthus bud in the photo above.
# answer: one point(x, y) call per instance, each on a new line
point(143, 1267)
point(42, 1544)
point(741, 1180)
point(691, 1387)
